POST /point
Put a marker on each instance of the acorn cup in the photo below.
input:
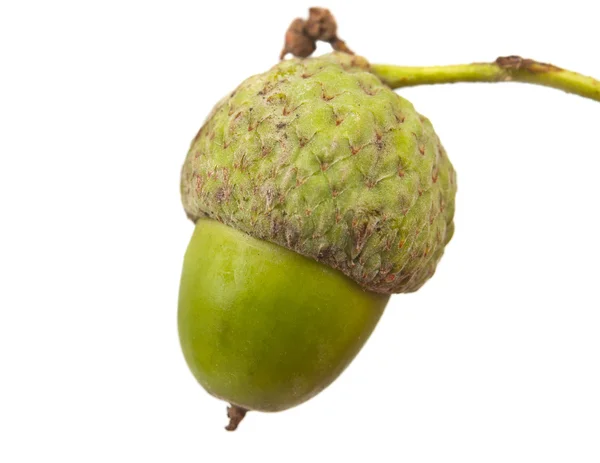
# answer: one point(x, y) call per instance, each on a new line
point(317, 192)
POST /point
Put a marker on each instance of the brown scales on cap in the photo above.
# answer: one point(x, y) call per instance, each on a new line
point(302, 35)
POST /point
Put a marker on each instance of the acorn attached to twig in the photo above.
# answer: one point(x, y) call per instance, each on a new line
point(317, 192)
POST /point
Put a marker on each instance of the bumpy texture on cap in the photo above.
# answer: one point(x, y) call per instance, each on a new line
point(319, 156)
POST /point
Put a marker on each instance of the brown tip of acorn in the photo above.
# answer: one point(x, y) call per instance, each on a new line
point(236, 415)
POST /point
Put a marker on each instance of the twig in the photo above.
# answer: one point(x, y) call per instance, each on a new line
point(504, 69)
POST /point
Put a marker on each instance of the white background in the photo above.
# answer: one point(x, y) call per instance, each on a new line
point(496, 359)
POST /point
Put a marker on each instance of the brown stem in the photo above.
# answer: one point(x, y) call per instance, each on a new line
point(236, 415)
point(302, 35)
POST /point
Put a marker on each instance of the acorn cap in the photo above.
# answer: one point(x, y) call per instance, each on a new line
point(319, 156)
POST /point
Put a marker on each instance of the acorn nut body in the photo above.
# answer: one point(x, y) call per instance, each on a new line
point(263, 327)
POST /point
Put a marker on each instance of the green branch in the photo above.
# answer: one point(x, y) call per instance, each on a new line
point(505, 69)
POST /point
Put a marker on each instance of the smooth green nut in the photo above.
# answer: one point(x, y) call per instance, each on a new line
point(263, 327)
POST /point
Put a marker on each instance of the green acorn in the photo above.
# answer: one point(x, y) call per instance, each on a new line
point(317, 192)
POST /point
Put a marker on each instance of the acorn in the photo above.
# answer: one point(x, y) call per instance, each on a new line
point(316, 193)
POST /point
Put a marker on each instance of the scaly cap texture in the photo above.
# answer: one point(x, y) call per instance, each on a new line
point(319, 156)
